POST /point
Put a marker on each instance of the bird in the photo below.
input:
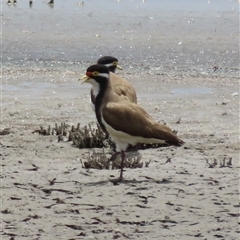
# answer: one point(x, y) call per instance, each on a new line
point(125, 121)
point(30, 3)
point(51, 2)
point(120, 86)
point(110, 62)
point(9, 2)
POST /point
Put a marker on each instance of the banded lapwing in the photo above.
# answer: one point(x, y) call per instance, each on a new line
point(125, 121)
point(119, 85)
point(110, 62)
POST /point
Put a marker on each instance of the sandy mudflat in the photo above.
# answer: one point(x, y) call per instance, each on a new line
point(182, 59)
point(183, 199)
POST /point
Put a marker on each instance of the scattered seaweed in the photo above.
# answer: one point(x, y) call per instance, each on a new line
point(6, 211)
point(5, 131)
point(178, 121)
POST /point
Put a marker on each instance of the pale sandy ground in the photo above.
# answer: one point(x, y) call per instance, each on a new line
point(183, 199)
point(169, 50)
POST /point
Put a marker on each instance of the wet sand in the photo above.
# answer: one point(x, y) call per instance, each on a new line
point(195, 195)
point(178, 33)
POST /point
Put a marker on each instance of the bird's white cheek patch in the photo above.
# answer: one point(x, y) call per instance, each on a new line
point(108, 65)
point(105, 75)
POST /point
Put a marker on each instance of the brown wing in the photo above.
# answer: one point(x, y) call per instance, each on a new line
point(134, 120)
point(122, 87)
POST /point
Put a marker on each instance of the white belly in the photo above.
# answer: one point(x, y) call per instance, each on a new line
point(92, 105)
point(95, 92)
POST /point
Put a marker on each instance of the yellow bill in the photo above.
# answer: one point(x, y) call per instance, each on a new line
point(119, 67)
point(84, 79)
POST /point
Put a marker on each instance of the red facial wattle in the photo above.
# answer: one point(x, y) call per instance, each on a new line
point(89, 74)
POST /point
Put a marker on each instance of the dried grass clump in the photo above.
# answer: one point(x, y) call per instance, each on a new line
point(129, 162)
point(57, 130)
point(85, 137)
point(88, 137)
point(99, 160)
point(222, 163)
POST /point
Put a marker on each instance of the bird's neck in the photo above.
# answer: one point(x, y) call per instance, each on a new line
point(112, 69)
point(98, 102)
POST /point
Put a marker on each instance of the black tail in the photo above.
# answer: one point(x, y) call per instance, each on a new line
point(178, 143)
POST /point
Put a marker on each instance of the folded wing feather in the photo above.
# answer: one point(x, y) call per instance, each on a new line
point(134, 120)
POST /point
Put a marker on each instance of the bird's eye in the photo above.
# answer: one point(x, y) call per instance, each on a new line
point(114, 63)
point(95, 73)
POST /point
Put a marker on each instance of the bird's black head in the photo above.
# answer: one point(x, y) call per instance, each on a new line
point(98, 73)
point(110, 62)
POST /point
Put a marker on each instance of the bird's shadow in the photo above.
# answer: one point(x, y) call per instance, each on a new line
point(115, 181)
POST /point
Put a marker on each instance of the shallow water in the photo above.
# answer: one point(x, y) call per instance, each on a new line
point(149, 35)
point(191, 91)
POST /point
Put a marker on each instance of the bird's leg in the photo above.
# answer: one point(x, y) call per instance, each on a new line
point(113, 157)
point(106, 137)
point(122, 163)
